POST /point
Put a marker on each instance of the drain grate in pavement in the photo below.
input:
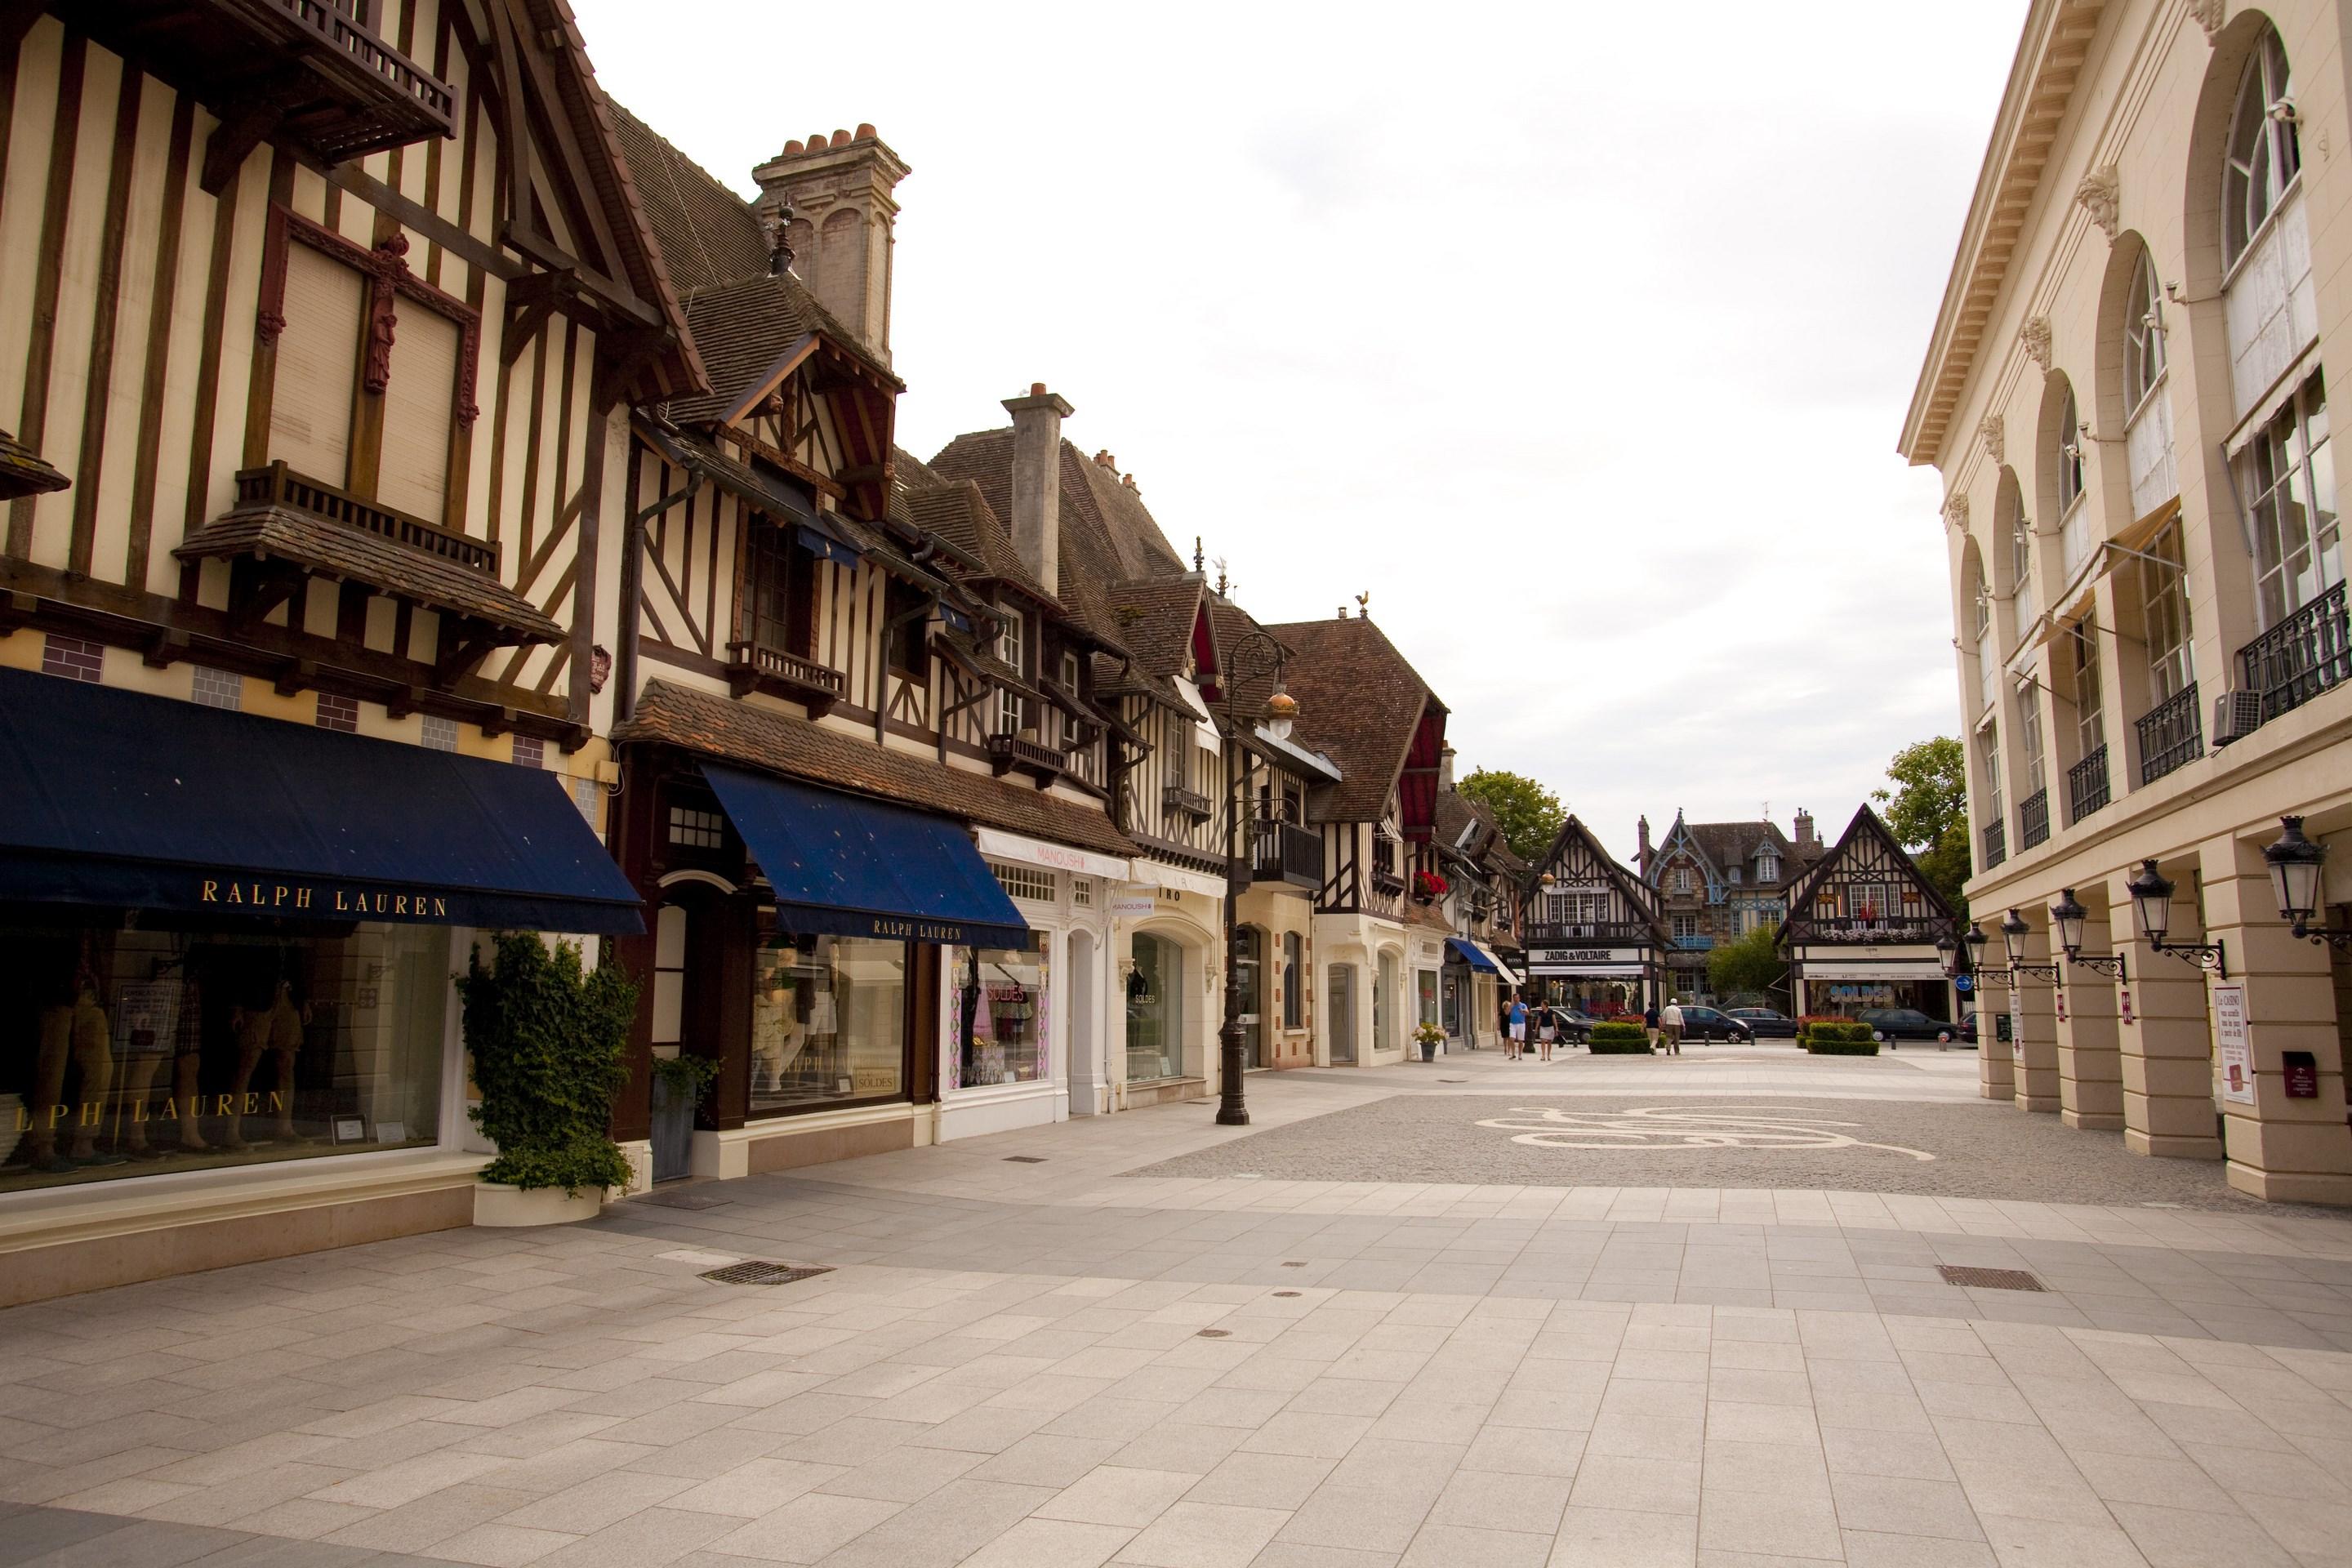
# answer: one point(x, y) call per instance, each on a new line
point(761, 1274)
point(1285, 1292)
point(1295, 1263)
point(1025, 1159)
point(688, 1200)
point(1988, 1279)
point(1214, 1334)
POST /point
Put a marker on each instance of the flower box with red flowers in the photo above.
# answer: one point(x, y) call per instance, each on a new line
point(1429, 887)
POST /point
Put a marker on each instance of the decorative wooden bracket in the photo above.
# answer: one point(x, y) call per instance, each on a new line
point(276, 584)
point(531, 298)
point(295, 674)
point(16, 608)
point(244, 127)
point(167, 648)
point(464, 654)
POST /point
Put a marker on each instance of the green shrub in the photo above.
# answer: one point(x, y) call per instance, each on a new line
point(548, 1042)
point(686, 1078)
point(1821, 1048)
point(1618, 1039)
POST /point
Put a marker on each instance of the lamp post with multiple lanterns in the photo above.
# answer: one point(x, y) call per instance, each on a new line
point(1281, 710)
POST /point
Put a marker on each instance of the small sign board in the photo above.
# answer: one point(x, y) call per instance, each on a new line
point(2015, 1033)
point(2232, 1043)
point(2301, 1070)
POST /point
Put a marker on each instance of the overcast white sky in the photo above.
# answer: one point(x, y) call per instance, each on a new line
point(1579, 342)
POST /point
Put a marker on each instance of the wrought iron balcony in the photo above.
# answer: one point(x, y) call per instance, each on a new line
point(2033, 819)
point(1862, 930)
point(755, 667)
point(1695, 944)
point(2171, 733)
point(1190, 803)
point(2086, 785)
point(1285, 852)
point(311, 73)
point(1039, 761)
point(2301, 657)
point(1995, 836)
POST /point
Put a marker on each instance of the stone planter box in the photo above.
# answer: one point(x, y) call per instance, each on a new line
point(497, 1205)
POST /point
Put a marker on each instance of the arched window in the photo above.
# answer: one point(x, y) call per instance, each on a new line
point(2262, 154)
point(2066, 443)
point(2020, 591)
point(2143, 335)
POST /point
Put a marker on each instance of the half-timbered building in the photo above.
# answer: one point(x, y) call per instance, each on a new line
point(1717, 881)
point(1482, 903)
point(865, 785)
point(1862, 930)
point(314, 318)
point(1596, 939)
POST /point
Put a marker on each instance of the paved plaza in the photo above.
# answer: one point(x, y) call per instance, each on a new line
point(1610, 1312)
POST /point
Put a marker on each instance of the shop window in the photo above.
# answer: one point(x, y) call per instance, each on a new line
point(1384, 1002)
point(178, 1046)
point(1024, 883)
point(697, 829)
point(828, 1021)
point(1001, 1017)
point(1294, 995)
point(1426, 993)
point(1155, 1001)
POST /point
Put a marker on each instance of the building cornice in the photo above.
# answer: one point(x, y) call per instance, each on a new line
point(2050, 58)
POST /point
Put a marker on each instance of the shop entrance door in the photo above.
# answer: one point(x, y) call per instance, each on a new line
point(1339, 1014)
point(1249, 988)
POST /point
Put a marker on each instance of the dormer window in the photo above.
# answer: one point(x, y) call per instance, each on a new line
point(1733, 874)
point(1768, 866)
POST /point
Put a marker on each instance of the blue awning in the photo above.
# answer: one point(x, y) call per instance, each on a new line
point(853, 866)
point(822, 540)
point(122, 799)
point(1471, 954)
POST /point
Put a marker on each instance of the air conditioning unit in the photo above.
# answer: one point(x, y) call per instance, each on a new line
point(2236, 715)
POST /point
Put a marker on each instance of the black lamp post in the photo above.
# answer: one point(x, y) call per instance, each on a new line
point(2151, 897)
point(2295, 863)
point(1281, 708)
point(1977, 942)
point(1948, 953)
point(2014, 932)
point(2066, 917)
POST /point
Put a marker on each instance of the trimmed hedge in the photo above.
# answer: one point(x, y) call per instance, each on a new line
point(1615, 1039)
point(1828, 1039)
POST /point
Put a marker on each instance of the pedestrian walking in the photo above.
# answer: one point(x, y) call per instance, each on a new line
point(1515, 1033)
point(1548, 1031)
point(1671, 1022)
point(1649, 1022)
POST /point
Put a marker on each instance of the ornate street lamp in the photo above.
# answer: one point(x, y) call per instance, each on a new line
point(1977, 942)
point(2295, 862)
point(1948, 952)
point(2066, 917)
point(1281, 711)
point(2014, 932)
point(2151, 897)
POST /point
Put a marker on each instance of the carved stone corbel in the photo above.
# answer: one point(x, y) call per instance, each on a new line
point(2210, 14)
point(2099, 194)
point(1995, 443)
point(1956, 512)
point(2036, 336)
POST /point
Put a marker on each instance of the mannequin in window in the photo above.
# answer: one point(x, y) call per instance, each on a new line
point(71, 1034)
point(274, 1031)
point(777, 1035)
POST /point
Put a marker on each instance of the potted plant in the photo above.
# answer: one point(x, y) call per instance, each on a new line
point(1428, 887)
point(547, 1039)
point(679, 1084)
point(1430, 1036)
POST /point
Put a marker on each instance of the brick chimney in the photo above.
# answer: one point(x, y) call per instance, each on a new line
point(1036, 520)
point(843, 216)
point(1445, 768)
point(1641, 838)
point(1805, 839)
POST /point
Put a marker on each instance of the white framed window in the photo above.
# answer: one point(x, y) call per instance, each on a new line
point(1682, 879)
point(2022, 575)
point(1768, 867)
point(2090, 705)
point(2263, 153)
point(1988, 758)
point(2029, 735)
point(1027, 883)
point(2287, 474)
point(2143, 335)
point(2066, 452)
point(1082, 892)
point(1685, 925)
point(2164, 599)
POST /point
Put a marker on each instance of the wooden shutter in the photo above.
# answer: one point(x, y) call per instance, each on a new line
point(420, 405)
point(318, 366)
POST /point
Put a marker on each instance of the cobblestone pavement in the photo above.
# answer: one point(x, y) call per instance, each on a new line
point(1062, 1364)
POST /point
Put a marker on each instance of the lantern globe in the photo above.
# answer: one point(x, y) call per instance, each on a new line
point(2068, 915)
point(1977, 942)
point(1948, 952)
point(2151, 897)
point(2295, 863)
point(2014, 932)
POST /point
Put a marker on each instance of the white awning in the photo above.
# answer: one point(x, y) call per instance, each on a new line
point(1883, 969)
point(1207, 725)
point(1163, 875)
point(1058, 857)
point(1588, 971)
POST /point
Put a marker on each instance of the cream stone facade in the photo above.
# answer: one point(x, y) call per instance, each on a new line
point(2125, 397)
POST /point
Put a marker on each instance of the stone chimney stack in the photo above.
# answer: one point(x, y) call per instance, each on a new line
point(1641, 841)
point(841, 231)
point(1805, 838)
point(1445, 768)
point(1036, 518)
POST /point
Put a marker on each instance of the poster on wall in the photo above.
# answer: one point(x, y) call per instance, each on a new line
point(2229, 1039)
point(2017, 1022)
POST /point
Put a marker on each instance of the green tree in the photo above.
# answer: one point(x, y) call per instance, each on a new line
point(548, 1042)
point(1750, 962)
point(1529, 813)
point(1928, 811)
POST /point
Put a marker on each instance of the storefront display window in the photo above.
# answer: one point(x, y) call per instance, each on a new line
point(1154, 1009)
point(1426, 981)
point(828, 1021)
point(1001, 1018)
point(131, 1044)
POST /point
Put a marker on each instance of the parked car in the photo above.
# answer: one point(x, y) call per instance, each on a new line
point(1898, 1024)
point(1764, 1024)
point(1574, 1027)
point(1714, 1023)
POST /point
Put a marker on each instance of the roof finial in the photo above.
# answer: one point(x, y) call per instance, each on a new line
point(779, 250)
point(1196, 552)
point(1363, 605)
point(1221, 576)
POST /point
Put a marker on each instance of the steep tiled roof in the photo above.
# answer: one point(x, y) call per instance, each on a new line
point(738, 731)
point(955, 510)
point(1155, 617)
point(744, 327)
point(706, 233)
point(1359, 703)
point(357, 555)
point(1729, 844)
point(1457, 811)
point(1235, 627)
